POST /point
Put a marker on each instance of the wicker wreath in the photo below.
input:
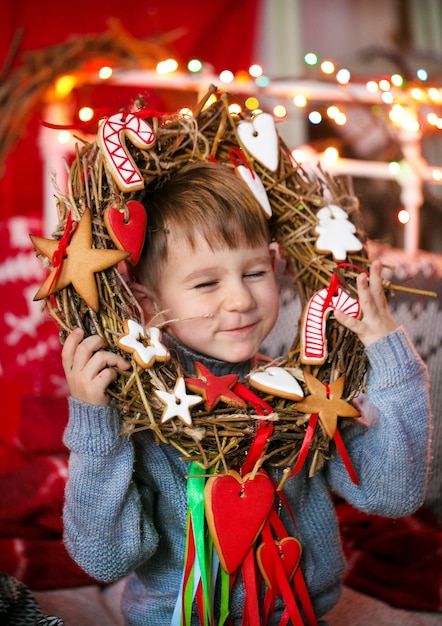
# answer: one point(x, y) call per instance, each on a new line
point(223, 436)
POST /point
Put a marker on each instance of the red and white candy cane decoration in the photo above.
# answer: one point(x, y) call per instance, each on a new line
point(313, 341)
point(111, 138)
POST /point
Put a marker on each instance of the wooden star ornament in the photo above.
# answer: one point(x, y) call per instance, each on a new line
point(326, 401)
point(78, 264)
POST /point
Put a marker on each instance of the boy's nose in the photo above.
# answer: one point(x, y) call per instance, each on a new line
point(238, 298)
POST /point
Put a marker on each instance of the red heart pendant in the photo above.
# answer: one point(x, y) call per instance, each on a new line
point(288, 550)
point(127, 228)
point(236, 510)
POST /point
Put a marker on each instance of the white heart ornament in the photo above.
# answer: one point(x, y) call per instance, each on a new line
point(255, 185)
point(260, 139)
point(277, 381)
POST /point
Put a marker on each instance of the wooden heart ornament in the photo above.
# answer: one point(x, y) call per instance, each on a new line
point(260, 139)
point(127, 228)
point(236, 510)
point(288, 550)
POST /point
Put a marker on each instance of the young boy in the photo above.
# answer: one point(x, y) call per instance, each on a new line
point(207, 267)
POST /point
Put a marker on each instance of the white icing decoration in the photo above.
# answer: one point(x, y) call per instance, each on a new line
point(313, 343)
point(336, 232)
point(145, 355)
point(276, 380)
point(260, 139)
point(111, 137)
point(255, 185)
point(178, 403)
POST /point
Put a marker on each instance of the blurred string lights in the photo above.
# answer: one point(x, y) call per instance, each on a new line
point(410, 109)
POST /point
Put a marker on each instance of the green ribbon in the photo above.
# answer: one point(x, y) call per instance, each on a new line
point(203, 543)
point(225, 597)
point(188, 590)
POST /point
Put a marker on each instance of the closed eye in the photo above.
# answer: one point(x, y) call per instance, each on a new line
point(255, 274)
point(207, 285)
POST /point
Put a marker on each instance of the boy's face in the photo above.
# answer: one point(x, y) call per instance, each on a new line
point(232, 295)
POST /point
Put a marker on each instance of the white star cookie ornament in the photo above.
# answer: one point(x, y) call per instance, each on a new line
point(178, 403)
point(143, 343)
point(335, 233)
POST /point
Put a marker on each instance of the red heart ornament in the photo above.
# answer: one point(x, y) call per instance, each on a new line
point(288, 550)
point(127, 228)
point(236, 510)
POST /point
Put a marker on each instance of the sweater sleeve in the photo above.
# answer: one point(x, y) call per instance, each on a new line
point(391, 457)
point(106, 530)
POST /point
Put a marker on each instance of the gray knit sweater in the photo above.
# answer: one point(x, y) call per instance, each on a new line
point(125, 509)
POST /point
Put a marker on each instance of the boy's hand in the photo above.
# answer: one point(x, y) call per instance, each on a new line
point(376, 320)
point(90, 369)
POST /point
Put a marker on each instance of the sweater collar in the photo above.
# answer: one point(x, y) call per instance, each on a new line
point(187, 358)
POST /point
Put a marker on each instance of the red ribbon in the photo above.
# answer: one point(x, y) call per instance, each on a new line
point(339, 445)
point(352, 266)
point(251, 607)
point(308, 437)
point(274, 526)
point(265, 428)
point(345, 458)
point(331, 291)
point(99, 114)
point(61, 252)
point(235, 154)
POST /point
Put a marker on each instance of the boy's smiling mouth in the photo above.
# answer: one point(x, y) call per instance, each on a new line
point(244, 328)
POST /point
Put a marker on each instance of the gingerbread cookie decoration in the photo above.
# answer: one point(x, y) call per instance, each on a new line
point(260, 139)
point(288, 550)
point(314, 349)
point(127, 228)
point(326, 401)
point(76, 262)
point(248, 501)
point(276, 381)
point(335, 233)
point(254, 183)
point(213, 388)
point(144, 344)
point(112, 140)
point(178, 403)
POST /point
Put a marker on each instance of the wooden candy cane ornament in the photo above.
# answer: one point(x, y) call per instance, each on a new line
point(313, 341)
point(111, 138)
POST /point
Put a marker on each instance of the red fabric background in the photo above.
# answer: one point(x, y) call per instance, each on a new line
point(222, 34)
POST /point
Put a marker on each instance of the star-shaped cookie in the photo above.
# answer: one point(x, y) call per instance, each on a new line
point(80, 264)
point(143, 343)
point(214, 388)
point(178, 403)
point(325, 400)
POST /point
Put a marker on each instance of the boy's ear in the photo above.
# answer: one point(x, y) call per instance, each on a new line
point(145, 299)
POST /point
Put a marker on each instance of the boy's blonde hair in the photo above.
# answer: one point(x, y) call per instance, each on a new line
point(202, 198)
